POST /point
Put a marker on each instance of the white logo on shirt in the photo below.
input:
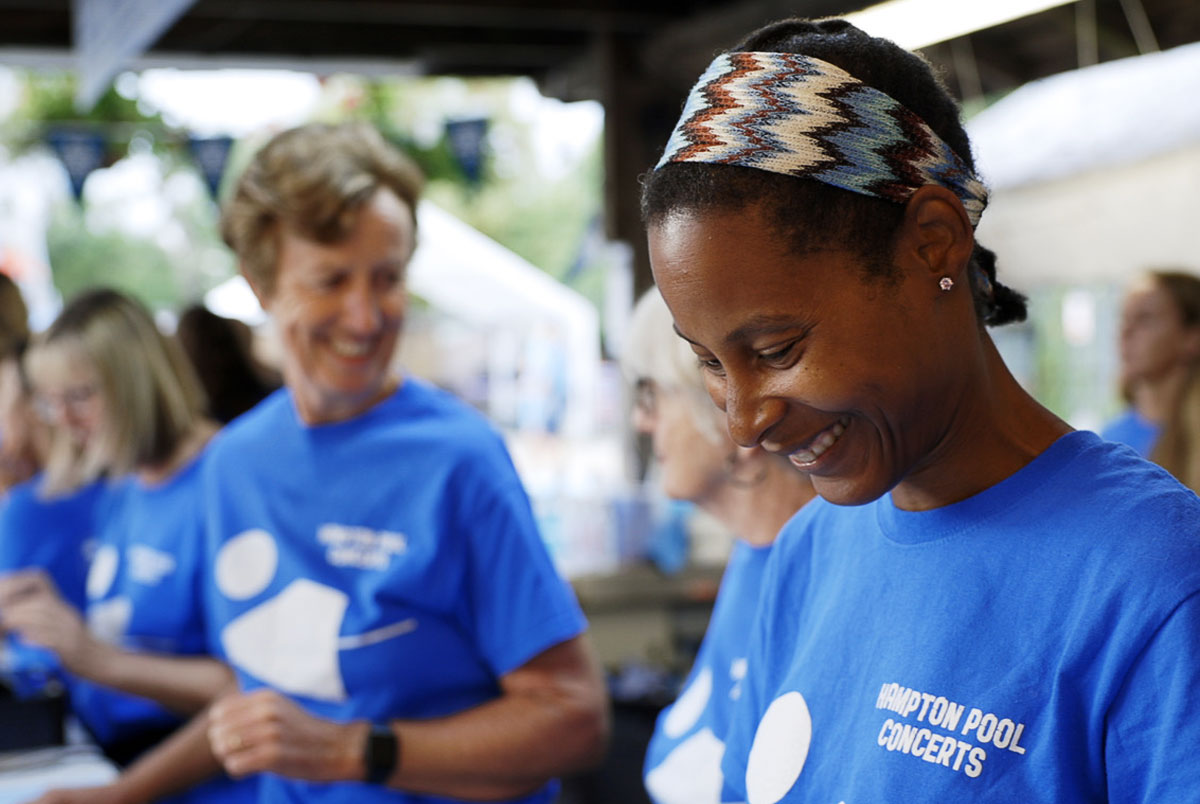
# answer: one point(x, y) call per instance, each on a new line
point(149, 566)
point(934, 736)
point(108, 620)
point(691, 773)
point(102, 572)
point(689, 706)
point(737, 674)
point(779, 750)
point(291, 640)
point(354, 546)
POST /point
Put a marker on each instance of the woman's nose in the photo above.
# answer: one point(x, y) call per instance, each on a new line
point(362, 308)
point(750, 413)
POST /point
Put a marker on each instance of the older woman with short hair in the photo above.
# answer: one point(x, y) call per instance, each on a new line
point(380, 585)
point(377, 581)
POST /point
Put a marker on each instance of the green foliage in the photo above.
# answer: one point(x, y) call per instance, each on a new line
point(1075, 380)
point(49, 101)
point(544, 219)
point(81, 259)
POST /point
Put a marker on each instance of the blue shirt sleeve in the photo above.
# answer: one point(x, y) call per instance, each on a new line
point(1153, 726)
point(519, 605)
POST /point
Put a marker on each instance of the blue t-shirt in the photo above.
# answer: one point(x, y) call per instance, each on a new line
point(1132, 430)
point(144, 593)
point(1037, 642)
point(683, 760)
point(383, 567)
point(57, 535)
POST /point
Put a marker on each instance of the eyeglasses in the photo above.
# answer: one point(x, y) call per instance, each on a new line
point(73, 400)
point(645, 396)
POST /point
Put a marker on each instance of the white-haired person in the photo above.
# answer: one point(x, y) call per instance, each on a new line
point(749, 491)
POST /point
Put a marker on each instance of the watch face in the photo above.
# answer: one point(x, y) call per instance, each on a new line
point(382, 754)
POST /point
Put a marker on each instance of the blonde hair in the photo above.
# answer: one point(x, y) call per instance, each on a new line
point(314, 180)
point(654, 351)
point(152, 399)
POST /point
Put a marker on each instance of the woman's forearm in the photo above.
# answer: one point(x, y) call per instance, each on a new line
point(552, 719)
point(178, 763)
point(183, 684)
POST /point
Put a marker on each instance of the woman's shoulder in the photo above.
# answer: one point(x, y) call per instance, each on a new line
point(422, 411)
point(27, 500)
point(1107, 480)
point(257, 423)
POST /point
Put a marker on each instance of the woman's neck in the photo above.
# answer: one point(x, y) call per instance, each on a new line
point(1154, 400)
point(992, 433)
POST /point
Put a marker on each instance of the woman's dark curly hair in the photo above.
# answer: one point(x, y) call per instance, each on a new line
point(810, 214)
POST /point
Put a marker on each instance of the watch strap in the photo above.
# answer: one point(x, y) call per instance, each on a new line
point(382, 753)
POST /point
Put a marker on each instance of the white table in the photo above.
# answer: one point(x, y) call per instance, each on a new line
point(25, 775)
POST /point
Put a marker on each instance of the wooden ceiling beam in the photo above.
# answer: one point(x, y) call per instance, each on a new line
point(461, 16)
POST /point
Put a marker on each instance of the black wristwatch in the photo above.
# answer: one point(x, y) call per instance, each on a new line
point(381, 754)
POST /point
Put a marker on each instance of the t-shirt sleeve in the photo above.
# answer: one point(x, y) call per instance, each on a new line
point(1154, 724)
point(518, 605)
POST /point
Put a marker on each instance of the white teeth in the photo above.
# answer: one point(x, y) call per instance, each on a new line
point(822, 442)
point(350, 348)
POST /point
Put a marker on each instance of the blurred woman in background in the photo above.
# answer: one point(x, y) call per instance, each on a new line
point(124, 404)
point(752, 493)
point(1160, 357)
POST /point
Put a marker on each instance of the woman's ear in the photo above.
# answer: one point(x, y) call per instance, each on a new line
point(935, 235)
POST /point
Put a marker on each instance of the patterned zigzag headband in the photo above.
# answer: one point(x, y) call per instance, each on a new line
point(800, 116)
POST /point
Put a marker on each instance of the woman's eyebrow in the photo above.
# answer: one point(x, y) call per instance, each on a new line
point(757, 325)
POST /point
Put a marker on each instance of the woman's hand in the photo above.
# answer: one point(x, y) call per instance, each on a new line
point(31, 606)
point(265, 731)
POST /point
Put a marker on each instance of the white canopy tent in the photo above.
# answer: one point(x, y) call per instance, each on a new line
point(1095, 174)
point(464, 274)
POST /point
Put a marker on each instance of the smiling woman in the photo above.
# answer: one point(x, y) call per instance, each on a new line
point(811, 227)
point(378, 584)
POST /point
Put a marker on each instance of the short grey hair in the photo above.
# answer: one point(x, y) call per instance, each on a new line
point(654, 351)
